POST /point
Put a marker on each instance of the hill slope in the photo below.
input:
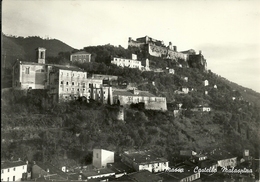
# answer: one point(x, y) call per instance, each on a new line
point(24, 48)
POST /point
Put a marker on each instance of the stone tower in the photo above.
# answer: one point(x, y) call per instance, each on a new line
point(40, 55)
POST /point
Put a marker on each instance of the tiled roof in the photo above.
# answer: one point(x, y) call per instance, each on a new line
point(80, 52)
point(52, 169)
point(6, 165)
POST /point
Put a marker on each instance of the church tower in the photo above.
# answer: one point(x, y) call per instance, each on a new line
point(40, 55)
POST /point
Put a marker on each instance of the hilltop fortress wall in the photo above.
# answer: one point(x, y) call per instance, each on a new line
point(157, 48)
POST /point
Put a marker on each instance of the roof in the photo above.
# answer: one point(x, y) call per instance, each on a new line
point(144, 157)
point(52, 169)
point(71, 68)
point(10, 164)
point(64, 67)
point(96, 172)
point(129, 93)
point(80, 52)
point(144, 175)
point(221, 155)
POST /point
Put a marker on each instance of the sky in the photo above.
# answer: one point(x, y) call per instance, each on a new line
point(227, 32)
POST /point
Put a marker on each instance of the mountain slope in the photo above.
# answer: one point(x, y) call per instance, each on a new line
point(24, 48)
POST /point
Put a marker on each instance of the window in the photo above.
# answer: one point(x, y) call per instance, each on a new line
point(78, 84)
point(14, 168)
point(8, 170)
point(7, 178)
point(67, 89)
point(2, 171)
point(13, 178)
point(67, 83)
point(61, 82)
point(97, 155)
point(27, 70)
point(42, 54)
point(72, 83)
point(78, 89)
point(67, 74)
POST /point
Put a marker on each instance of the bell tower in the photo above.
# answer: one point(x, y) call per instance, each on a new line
point(40, 55)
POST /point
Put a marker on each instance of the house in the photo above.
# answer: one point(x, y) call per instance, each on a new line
point(130, 63)
point(201, 108)
point(31, 75)
point(80, 56)
point(169, 70)
point(206, 83)
point(126, 97)
point(102, 157)
point(70, 83)
point(13, 170)
point(97, 173)
point(47, 171)
point(199, 157)
point(144, 160)
point(224, 159)
point(187, 153)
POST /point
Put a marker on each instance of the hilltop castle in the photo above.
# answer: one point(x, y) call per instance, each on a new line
point(157, 48)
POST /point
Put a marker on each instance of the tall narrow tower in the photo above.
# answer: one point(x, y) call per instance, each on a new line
point(40, 55)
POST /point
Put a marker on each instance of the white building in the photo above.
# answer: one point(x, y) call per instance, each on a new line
point(102, 157)
point(81, 56)
point(13, 171)
point(145, 160)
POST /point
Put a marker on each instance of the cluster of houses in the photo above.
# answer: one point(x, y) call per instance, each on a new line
point(131, 166)
point(65, 83)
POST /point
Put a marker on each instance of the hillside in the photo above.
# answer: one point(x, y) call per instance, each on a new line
point(21, 48)
point(53, 132)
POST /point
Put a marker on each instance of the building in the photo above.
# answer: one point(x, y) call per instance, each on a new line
point(157, 48)
point(13, 170)
point(68, 83)
point(145, 160)
point(187, 153)
point(126, 97)
point(201, 108)
point(197, 61)
point(102, 157)
point(131, 63)
point(224, 159)
point(206, 82)
point(80, 56)
point(29, 75)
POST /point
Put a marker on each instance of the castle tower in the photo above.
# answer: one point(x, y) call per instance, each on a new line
point(40, 55)
point(170, 45)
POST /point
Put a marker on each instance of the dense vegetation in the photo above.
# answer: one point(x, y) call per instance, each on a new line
point(34, 129)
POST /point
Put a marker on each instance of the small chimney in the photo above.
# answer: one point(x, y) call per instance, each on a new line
point(27, 162)
point(47, 170)
point(98, 171)
point(199, 52)
point(34, 162)
point(19, 159)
